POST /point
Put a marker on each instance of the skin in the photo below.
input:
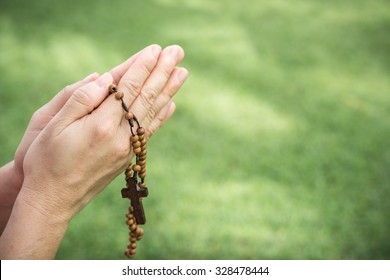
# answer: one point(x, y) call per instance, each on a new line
point(76, 144)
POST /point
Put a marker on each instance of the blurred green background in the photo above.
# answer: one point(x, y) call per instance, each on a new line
point(279, 148)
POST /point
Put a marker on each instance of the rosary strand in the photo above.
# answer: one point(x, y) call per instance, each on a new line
point(135, 177)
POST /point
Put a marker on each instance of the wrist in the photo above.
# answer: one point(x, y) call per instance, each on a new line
point(31, 233)
point(46, 205)
point(10, 184)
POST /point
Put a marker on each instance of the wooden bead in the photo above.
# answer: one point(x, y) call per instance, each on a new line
point(130, 222)
point(131, 209)
point(129, 254)
point(136, 144)
point(118, 95)
point(133, 227)
point(130, 216)
point(143, 153)
point(140, 231)
point(141, 137)
point(142, 162)
point(142, 185)
point(143, 142)
point(142, 175)
point(140, 131)
point(134, 138)
point(129, 116)
point(132, 246)
point(137, 150)
point(128, 173)
point(112, 88)
point(133, 239)
point(133, 252)
point(137, 168)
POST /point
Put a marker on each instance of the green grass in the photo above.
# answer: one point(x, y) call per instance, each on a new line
point(279, 148)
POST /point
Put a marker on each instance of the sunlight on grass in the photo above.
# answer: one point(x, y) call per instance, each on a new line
point(62, 54)
point(225, 107)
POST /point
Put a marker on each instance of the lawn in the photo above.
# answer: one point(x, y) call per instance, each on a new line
point(279, 148)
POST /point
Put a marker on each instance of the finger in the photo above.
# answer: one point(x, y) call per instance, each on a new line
point(57, 102)
point(162, 117)
point(85, 99)
point(155, 83)
point(176, 80)
point(134, 78)
point(118, 71)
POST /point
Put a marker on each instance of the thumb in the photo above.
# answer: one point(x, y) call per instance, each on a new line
point(85, 99)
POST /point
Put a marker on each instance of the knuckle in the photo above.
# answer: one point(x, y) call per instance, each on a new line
point(166, 71)
point(82, 97)
point(67, 89)
point(122, 149)
point(150, 93)
point(146, 102)
point(151, 114)
point(36, 115)
point(104, 130)
point(133, 85)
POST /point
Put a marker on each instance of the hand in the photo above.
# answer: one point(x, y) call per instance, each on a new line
point(86, 144)
point(38, 122)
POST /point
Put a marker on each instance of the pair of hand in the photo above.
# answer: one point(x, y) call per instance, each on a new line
point(76, 144)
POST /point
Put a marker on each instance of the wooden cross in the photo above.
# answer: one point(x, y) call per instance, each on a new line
point(135, 195)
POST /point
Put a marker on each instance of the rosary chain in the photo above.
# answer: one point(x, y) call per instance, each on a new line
point(138, 170)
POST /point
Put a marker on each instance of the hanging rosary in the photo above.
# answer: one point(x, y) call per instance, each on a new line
point(135, 177)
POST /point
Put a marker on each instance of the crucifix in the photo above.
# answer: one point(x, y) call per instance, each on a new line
point(135, 194)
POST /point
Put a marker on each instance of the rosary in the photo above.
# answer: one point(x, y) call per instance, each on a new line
point(135, 177)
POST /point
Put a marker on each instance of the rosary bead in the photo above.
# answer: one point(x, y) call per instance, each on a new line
point(133, 227)
point(133, 239)
point(143, 142)
point(140, 231)
point(140, 131)
point(129, 116)
point(136, 144)
point(134, 138)
point(142, 162)
point(142, 175)
point(143, 153)
point(142, 185)
point(137, 150)
point(112, 88)
point(128, 173)
point(141, 137)
point(130, 216)
point(133, 251)
point(142, 157)
point(118, 95)
point(137, 168)
point(133, 245)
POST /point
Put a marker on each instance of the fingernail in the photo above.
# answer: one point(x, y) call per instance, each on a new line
point(156, 49)
point(104, 80)
point(173, 52)
point(91, 77)
point(183, 74)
